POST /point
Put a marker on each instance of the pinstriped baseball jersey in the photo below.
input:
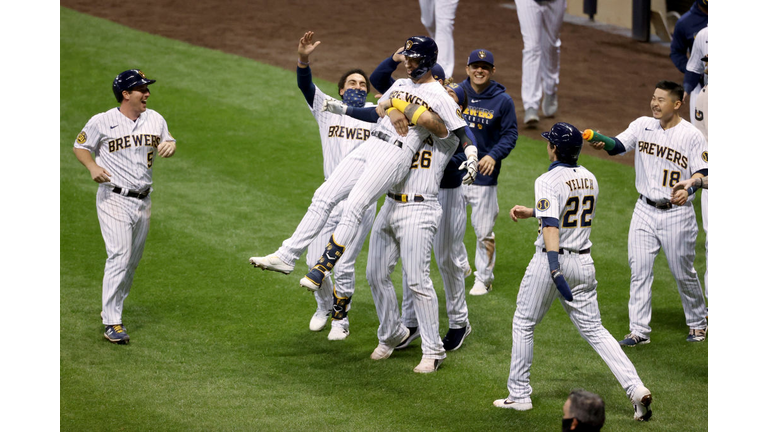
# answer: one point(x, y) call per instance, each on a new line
point(428, 165)
point(568, 194)
point(125, 148)
point(663, 157)
point(440, 102)
point(339, 134)
point(699, 50)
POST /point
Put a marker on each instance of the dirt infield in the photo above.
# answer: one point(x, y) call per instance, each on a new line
point(605, 81)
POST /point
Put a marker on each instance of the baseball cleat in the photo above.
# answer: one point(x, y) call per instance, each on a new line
point(696, 335)
point(116, 334)
point(338, 331)
point(510, 404)
point(641, 400)
point(313, 279)
point(319, 320)
point(428, 365)
point(632, 340)
point(531, 117)
point(455, 337)
point(479, 289)
point(271, 262)
point(383, 351)
point(549, 105)
point(413, 334)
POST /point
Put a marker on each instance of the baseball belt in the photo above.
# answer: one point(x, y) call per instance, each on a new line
point(384, 137)
point(131, 193)
point(566, 251)
point(404, 198)
point(661, 206)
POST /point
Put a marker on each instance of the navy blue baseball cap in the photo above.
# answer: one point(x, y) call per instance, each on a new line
point(126, 80)
point(480, 55)
point(438, 73)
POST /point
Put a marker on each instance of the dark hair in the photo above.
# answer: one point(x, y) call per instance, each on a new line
point(346, 75)
point(672, 87)
point(570, 160)
point(588, 408)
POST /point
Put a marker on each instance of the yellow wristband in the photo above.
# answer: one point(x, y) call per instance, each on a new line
point(417, 114)
point(390, 109)
point(399, 104)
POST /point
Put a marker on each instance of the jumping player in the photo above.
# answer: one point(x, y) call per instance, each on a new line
point(339, 135)
point(668, 149)
point(380, 162)
point(125, 141)
point(562, 267)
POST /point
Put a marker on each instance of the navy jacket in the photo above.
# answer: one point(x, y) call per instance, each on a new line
point(685, 31)
point(491, 116)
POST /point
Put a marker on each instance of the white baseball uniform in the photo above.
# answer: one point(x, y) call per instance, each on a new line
point(540, 23)
point(699, 50)
point(700, 118)
point(662, 158)
point(438, 18)
point(569, 194)
point(371, 169)
point(406, 227)
point(339, 135)
point(126, 149)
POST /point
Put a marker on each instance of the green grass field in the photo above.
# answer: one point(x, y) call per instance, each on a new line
point(218, 345)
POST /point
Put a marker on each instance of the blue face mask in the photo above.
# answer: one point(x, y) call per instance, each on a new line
point(354, 97)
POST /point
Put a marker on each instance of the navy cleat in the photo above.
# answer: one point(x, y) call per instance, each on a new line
point(455, 337)
point(116, 334)
point(413, 334)
point(633, 340)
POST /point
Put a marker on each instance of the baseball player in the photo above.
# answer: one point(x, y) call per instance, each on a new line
point(406, 227)
point(686, 29)
point(490, 113)
point(696, 73)
point(668, 149)
point(562, 267)
point(339, 135)
point(450, 254)
point(438, 18)
point(540, 23)
point(125, 141)
point(380, 162)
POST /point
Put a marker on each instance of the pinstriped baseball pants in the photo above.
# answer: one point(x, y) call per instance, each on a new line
point(537, 292)
point(124, 225)
point(675, 231)
point(405, 230)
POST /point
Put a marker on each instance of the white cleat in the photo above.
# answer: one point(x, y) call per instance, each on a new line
point(549, 105)
point(531, 117)
point(338, 330)
point(428, 365)
point(641, 400)
point(271, 262)
point(383, 351)
point(479, 289)
point(309, 284)
point(319, 320)
point(510, 404)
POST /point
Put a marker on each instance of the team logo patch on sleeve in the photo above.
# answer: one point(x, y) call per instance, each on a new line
point(458, 113)
point(705, 156)
point(543, 204)
point(82, 138)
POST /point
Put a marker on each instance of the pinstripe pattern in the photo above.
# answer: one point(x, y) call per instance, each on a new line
point(369, 171)
point(699, 50)
point(537, 291)
point(540, 24)
point(438, 17)
point(407, 230)
point(658, 154)
point(127, 150)
point(701, 121)
point(485, 208)
point(339, 136)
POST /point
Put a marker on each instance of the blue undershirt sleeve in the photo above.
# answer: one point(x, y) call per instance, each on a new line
point(366, 114)
point(304, 80)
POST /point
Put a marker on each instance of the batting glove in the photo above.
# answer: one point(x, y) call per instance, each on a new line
point(471, 166)
point(334, 106)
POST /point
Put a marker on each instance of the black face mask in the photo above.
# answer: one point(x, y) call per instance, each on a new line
point(567, 424)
